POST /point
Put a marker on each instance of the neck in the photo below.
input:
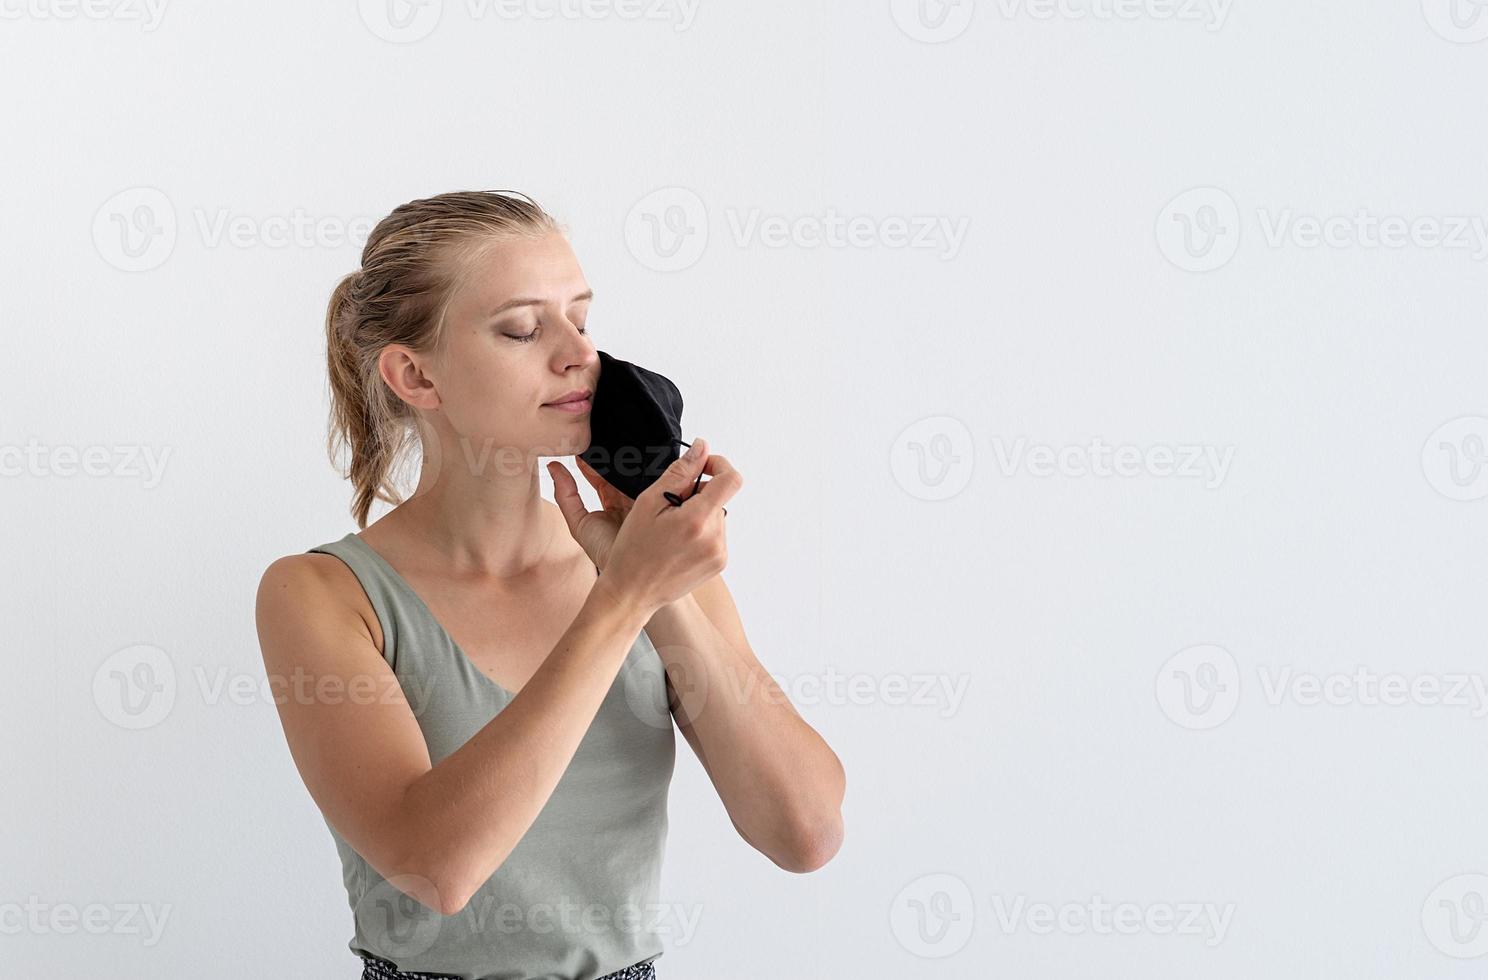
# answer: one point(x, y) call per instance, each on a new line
point(481, 522)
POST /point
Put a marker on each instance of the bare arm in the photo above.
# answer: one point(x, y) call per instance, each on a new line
point(447, 828)
point(780, 782)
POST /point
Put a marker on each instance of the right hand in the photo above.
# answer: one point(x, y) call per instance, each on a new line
point(662, 552)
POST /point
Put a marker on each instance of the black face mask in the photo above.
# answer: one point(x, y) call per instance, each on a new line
point(635, 427)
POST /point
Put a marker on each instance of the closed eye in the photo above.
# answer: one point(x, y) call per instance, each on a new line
point(530, 337)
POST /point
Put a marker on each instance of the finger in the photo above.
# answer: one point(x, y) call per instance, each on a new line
point(717, 464)
point(721, 489)
point(595, 481)
point(566, 496)
point(609, 497)
point(589, 472)
point(718, 467)
point(679, 477)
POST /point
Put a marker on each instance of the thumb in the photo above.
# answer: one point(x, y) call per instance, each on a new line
point(682, 474)
point(566, 496)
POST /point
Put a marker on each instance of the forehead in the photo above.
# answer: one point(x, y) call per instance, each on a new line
point(543, 268)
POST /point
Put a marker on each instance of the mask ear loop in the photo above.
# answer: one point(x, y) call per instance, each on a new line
point(676, 500)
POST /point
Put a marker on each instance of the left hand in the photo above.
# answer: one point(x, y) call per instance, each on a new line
point(594, 530)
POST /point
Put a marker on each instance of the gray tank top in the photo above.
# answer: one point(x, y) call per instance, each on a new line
point(578, 897)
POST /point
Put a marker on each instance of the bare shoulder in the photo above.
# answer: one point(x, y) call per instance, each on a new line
point(313, 592)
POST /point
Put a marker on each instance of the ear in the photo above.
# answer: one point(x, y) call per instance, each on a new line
point(402, 370)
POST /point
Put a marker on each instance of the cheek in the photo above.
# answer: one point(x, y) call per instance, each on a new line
point(486, 394)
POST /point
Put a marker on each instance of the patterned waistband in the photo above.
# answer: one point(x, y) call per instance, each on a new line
point(376, 969)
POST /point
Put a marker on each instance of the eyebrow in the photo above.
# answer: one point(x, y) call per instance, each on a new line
point(529, 301)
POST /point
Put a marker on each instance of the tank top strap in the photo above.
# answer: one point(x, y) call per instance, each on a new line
point(383, 590)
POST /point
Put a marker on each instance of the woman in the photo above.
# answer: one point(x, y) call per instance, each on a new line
point(480, 686)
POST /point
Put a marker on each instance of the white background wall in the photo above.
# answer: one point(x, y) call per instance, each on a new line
point(1250, 232)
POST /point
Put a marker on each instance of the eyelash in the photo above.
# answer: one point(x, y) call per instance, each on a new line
point(529, 338)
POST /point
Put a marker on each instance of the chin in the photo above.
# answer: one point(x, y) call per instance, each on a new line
point(573, 442)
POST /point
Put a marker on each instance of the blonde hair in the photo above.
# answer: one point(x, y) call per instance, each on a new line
point(411, 265)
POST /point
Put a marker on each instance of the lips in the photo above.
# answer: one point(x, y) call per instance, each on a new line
point(578, 395)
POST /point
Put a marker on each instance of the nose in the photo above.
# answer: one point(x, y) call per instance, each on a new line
point(576, 351)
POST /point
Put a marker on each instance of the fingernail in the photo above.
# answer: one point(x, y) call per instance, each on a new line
point(692, 450)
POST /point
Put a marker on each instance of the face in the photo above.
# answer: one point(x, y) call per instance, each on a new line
point(516, 343)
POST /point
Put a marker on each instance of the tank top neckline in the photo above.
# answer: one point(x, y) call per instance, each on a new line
point(423, 607)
